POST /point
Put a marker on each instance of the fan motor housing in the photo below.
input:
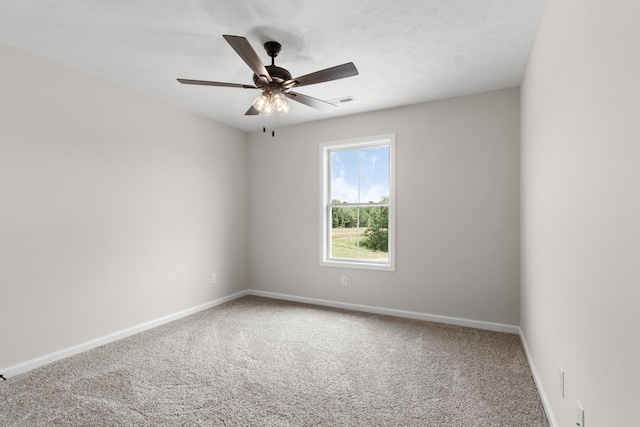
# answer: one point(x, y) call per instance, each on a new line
point(278, 75)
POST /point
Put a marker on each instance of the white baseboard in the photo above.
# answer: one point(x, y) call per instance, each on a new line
point(58, 355)
point(538, 381)
point(478, 324)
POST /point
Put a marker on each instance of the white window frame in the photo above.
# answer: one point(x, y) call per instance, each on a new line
point(325, 207)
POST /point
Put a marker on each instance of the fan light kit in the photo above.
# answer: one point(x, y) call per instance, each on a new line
point(276, 82)
point(270, 101)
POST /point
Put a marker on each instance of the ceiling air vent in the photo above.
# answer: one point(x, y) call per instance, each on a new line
point(343, 100)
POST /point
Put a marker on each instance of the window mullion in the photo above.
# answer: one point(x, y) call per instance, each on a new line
point(355, 205)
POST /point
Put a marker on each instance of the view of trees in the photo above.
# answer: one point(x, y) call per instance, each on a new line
point(374, 218)
point(377, 234)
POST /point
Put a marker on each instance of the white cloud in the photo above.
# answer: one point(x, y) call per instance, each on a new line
point(375, 193)
point(342, 190)
point(372, 163)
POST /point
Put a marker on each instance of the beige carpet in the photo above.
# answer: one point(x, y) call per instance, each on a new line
point(262, 362)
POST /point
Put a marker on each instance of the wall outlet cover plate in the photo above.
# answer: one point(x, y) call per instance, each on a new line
point(579, 415)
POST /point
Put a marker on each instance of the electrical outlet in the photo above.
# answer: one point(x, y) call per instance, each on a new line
point(344, 281)
point(214, 278)
point(579, 415)
point(561, 380)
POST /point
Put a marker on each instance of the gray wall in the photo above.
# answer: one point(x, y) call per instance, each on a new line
point(115, 209)
point(457, 210)
point(581, 209)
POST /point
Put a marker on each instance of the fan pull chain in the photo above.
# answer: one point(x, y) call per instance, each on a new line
point(273, 132)
point(271, 119)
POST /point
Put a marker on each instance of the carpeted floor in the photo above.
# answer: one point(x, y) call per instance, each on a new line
point(262, 362)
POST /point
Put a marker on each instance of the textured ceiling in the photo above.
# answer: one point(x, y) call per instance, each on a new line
point(407, 52)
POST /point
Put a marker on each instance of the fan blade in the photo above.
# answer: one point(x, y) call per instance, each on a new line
point(208, 83)
point(248, 55)
point(310, 101)
point(333, 73)
point(252, 112)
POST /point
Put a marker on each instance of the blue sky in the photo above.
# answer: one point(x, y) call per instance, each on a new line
point(374, 175)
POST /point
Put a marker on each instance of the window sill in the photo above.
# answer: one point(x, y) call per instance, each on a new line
point(361, 265)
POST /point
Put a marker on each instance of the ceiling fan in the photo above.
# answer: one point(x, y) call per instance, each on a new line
point(276, 82)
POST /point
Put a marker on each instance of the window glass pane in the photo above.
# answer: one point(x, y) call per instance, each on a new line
point(374, 174)
point(369, 241)
point(344, 176)
point(345, 233)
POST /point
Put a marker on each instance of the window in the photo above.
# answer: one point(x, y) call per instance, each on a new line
point(357, 203)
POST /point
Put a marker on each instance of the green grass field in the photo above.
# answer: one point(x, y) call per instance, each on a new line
point(344, 242)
